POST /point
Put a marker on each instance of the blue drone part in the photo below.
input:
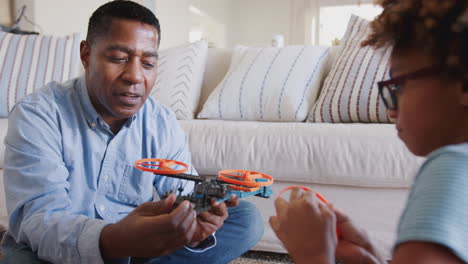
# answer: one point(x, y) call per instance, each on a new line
point(264, 192)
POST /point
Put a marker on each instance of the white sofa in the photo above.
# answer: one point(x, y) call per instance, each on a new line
point(362, 169)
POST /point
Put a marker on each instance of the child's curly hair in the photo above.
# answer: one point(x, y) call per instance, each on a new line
point(438, 27)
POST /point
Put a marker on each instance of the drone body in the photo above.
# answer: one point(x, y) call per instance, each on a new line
point(229, 182)
point(213, 188)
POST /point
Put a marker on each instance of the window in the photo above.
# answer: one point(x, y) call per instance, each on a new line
point(333, 19)
point(195, 35)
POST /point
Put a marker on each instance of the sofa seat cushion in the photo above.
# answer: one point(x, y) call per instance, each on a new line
point(368, 155)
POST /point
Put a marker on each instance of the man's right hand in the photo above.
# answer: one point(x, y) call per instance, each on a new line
point(152, 229)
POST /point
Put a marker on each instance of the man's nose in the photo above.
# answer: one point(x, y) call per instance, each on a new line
point(133, 72)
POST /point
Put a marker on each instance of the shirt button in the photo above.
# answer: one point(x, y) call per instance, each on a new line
point(93, 125)
point(102, 207)
point(106, 178)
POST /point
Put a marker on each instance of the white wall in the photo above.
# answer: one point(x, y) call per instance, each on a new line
point(255, 22)
point(5, 17)
point(216, 9)
point(175, 20)
point(58, 17)
point(62, 17)
point(213, 20)
point(227, 22)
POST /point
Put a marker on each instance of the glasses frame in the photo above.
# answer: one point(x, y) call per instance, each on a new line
point(399, 80)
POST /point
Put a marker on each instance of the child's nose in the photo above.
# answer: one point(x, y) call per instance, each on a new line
point(392, 114)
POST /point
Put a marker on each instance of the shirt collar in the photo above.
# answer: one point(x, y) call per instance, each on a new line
point(90, 113)
point(92, 117)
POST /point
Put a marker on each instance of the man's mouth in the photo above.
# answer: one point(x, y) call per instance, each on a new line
point(131, 95)
point(129, 99)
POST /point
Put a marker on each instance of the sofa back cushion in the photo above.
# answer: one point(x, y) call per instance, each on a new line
point(268, 84)
point(217, 65)
point(27, 62)
point(180, 75)
point(350, 92)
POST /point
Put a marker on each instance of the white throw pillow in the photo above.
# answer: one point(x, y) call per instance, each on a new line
point(180, 76)
point(268, 84)
point(28, 62)
point(350, 92)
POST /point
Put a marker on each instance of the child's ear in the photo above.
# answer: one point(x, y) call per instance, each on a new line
point(464, 93)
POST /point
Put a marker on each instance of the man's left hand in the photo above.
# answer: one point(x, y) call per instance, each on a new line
point(210, 221)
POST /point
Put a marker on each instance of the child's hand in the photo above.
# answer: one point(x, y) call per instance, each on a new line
point(354, 245)
point(306, 227)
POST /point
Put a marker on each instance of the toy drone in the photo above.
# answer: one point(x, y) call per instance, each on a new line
point(239, 182)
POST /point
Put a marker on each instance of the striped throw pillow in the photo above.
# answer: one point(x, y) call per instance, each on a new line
point(268, 84)
point(180, 76)
point(27, 62)
point(350, 92)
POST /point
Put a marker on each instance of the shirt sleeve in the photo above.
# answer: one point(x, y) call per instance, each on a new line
point(178, 150)
point(436, 210)
point(37, 191)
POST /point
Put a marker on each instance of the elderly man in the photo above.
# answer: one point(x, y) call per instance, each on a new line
point(72, 192)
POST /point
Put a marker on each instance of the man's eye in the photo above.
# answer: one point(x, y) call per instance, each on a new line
point(118, 59)
point(149, 65)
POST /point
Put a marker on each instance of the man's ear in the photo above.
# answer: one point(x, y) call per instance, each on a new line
point(85, 51)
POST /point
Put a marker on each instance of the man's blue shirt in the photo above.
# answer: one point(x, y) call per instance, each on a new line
point(67, 175)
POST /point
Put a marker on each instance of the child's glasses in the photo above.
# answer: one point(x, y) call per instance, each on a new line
point(388, 89)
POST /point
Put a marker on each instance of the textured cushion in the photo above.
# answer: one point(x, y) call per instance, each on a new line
point(180, 76)
point(268, 84)
point(27, 62)
point(350, 92)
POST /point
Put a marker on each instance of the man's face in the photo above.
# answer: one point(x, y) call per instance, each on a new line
point(121, 68)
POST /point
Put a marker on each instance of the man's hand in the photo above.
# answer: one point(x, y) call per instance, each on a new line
point(354, 245)
point(152, 229)
point(306, 227)
point(210, 221)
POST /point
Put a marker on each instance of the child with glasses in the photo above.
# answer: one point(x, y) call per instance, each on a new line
point(427, 97)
